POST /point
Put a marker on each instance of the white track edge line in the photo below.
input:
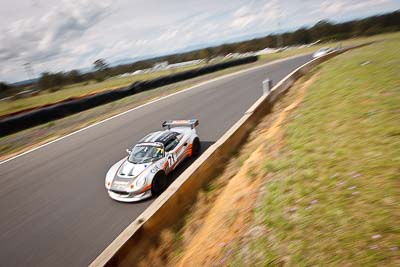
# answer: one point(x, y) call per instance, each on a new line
point(149, 103)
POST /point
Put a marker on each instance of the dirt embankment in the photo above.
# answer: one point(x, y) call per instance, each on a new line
point(221, 218)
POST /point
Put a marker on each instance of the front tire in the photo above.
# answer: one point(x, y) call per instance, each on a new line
point(159, 183)
point(196, 147)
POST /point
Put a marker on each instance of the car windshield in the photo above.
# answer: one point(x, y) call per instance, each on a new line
point(145, 153)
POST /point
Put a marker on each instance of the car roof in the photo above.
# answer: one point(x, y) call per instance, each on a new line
point(159, 137)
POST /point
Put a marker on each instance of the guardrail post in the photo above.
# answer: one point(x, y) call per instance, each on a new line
point(267, 85)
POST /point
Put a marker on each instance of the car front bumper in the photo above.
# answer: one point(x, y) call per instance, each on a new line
point(130, 197)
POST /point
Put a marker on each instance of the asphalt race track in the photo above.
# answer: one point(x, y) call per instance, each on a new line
point(54, 209)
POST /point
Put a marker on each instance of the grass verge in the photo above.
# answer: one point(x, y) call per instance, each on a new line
point(331, 197)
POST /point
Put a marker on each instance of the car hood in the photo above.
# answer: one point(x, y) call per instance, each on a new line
point(131, 169)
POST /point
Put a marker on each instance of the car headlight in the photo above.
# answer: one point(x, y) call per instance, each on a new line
point(140, 181)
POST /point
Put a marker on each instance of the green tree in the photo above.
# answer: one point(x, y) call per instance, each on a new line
point(4, 87)
point(73, 77)
point(52, 81)
point(100, 64)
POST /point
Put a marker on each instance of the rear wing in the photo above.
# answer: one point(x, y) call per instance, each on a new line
point(180, 123)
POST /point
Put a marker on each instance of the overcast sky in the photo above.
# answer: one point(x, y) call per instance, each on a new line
point(56, 35)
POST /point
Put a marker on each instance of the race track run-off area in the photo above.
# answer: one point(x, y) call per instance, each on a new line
point(54, 209)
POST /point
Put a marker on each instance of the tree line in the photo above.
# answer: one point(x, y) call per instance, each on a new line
point(323, 31)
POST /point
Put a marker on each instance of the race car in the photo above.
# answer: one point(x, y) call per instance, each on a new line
point(322, 52)
point(143, 173)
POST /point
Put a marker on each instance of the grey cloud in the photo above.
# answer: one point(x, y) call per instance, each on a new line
point(40, 39)
point(7, 54)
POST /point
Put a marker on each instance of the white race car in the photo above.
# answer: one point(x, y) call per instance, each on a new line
point(322, 52)
point(144, 172)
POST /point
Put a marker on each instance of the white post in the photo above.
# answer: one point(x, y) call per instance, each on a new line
point(267, 85)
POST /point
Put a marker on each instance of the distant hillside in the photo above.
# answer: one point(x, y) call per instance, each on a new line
point(25, 82)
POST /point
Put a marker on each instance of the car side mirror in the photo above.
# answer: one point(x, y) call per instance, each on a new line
point(128, 151)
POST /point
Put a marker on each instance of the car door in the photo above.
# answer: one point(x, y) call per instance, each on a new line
point(181, 149)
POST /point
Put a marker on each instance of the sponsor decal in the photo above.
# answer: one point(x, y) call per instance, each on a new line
point(155, 169)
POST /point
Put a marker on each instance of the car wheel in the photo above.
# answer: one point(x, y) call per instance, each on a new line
point(159, 183)
point(196, 147)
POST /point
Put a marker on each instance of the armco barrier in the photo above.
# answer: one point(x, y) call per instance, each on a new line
point(18, 122)
point(169, 208)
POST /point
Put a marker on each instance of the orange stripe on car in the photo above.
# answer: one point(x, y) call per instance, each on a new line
point(147, 187)
point(179, 149)
point(165, 165)
point(190, 150)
